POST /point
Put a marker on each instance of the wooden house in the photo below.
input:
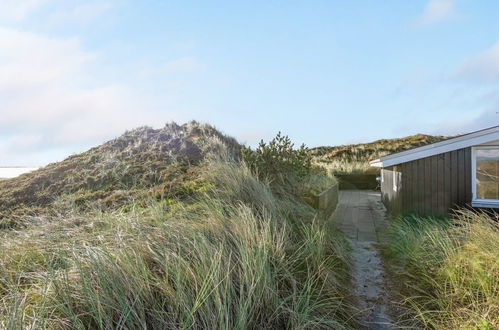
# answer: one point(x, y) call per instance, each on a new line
point(433, 179)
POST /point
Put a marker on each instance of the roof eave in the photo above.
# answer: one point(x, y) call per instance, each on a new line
point(376, 163)
point(438, 148)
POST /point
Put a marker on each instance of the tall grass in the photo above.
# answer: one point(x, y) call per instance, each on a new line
point(450, 268)
point(317, 182)
point(235, 256)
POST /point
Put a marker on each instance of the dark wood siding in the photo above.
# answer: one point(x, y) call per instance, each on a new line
point(431, 185)
point(420, 186)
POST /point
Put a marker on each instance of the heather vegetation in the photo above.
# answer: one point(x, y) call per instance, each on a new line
point(170, 229)
point(354, 158)
point(449, 270)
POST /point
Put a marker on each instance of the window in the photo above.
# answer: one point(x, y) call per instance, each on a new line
point(396, 178)
point(485, 175)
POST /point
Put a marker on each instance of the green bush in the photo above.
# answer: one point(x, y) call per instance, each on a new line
point(278, 160)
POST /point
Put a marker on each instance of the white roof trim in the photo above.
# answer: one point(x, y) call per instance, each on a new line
point(463, 141)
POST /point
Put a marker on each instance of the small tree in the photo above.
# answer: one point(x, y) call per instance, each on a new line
point(278, 160)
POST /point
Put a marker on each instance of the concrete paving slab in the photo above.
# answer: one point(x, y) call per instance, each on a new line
point(361, 211)
point(362, 217)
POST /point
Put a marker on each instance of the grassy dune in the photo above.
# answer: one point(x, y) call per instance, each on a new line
point(449, 270)
point(229, 252)
point(354, 158)
point(175, 229)
point(141, 164)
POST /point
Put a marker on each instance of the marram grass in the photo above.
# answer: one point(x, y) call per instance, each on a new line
point(450, 269)
point(235, 256)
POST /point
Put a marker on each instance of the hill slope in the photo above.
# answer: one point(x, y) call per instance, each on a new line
point(194, 240)
point(354, 158)
point(144, 161)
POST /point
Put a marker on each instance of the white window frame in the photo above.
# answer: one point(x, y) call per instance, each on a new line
point(395, 179)
point(480, 202)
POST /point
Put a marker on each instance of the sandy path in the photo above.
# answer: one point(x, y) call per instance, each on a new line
point(361, 216)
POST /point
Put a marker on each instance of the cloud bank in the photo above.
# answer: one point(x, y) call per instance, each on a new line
point(50, 99)
point(16, 10)
point(437, 11)
point(481, 71)
point(482, 67)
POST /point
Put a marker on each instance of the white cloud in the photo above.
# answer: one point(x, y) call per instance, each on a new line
point(480, 121)
point(483, 100)
point(16, 10)
point(51, 100)
point(437, 11)
point(81, 14)
point(483, 67)
point(28, 59)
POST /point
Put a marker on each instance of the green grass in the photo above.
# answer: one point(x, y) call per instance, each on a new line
point(449, 269)
point(234, 255)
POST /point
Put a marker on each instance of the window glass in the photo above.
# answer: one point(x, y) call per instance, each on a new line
point(487, 173)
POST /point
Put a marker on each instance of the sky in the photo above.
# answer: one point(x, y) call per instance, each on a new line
point(74, 74)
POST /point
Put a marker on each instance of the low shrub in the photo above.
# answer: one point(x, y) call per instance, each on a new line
point(278, 160)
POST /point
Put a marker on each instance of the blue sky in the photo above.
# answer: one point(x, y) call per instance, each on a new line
point(76, 73)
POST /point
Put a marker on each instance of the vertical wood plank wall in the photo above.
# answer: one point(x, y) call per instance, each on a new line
point(431, 185)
